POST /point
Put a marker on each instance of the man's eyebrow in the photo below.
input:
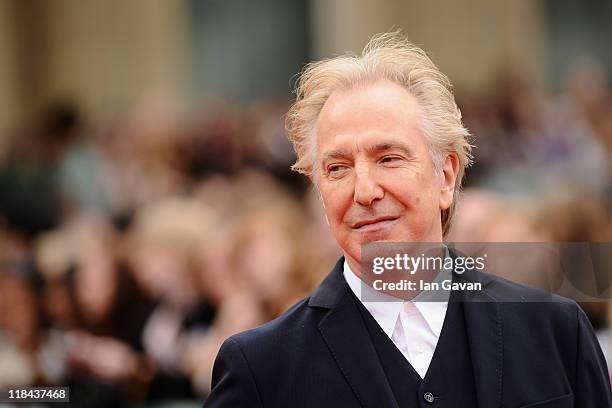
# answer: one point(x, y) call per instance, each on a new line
point(335, 154)
point(388, 146)
point(372, 150)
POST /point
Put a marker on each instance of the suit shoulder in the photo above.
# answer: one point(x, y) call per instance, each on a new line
point(295, 323)
point(532, 302)
point(505, 290)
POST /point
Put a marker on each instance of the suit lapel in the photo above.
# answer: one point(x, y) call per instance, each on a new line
point(484, 328)
point(346, 336)
point(349, 343)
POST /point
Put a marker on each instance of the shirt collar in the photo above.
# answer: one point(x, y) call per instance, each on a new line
point(386, 309)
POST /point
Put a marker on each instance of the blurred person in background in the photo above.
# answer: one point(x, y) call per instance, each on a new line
point(139, 159)
point(30, 192)
point(20, 327)
point(213, 144)
point(580, 216)
point(161, 248)
point(269, 254)
point(95, 313)
point(235, 307)
point(21, 322)
point(506, 229)
point(247, 290)
point(528, 142)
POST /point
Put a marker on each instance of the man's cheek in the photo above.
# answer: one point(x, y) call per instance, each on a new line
point(334, 207)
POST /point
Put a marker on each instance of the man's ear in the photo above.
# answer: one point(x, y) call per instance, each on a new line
point(448, 178)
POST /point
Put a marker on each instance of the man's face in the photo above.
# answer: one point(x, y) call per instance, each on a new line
point(374, 170)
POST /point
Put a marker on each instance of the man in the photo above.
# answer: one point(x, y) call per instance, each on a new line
point(381, 138)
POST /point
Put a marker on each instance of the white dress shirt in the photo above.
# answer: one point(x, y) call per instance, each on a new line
point(413, 326)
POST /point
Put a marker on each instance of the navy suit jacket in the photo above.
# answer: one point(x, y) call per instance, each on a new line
point(319, 354)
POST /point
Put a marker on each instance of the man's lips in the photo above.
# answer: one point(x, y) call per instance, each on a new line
point(372, 222)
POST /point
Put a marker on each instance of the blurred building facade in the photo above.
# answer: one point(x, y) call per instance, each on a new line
point(107, 55)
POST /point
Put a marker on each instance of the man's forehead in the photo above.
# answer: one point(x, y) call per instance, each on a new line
point(381, 97)
point(379, 109)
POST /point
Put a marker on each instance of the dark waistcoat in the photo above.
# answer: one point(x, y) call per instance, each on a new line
point(449, 380)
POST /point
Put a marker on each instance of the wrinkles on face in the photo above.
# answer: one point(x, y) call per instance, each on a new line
point(378, 181)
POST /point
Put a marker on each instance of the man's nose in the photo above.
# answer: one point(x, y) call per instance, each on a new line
point(367, 188)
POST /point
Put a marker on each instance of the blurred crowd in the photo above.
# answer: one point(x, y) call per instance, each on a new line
point(132, 246)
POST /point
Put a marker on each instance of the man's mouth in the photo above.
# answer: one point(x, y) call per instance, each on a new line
point(373, 223)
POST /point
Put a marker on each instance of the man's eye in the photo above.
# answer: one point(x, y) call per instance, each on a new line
point(335, 168)
point(390, 159)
